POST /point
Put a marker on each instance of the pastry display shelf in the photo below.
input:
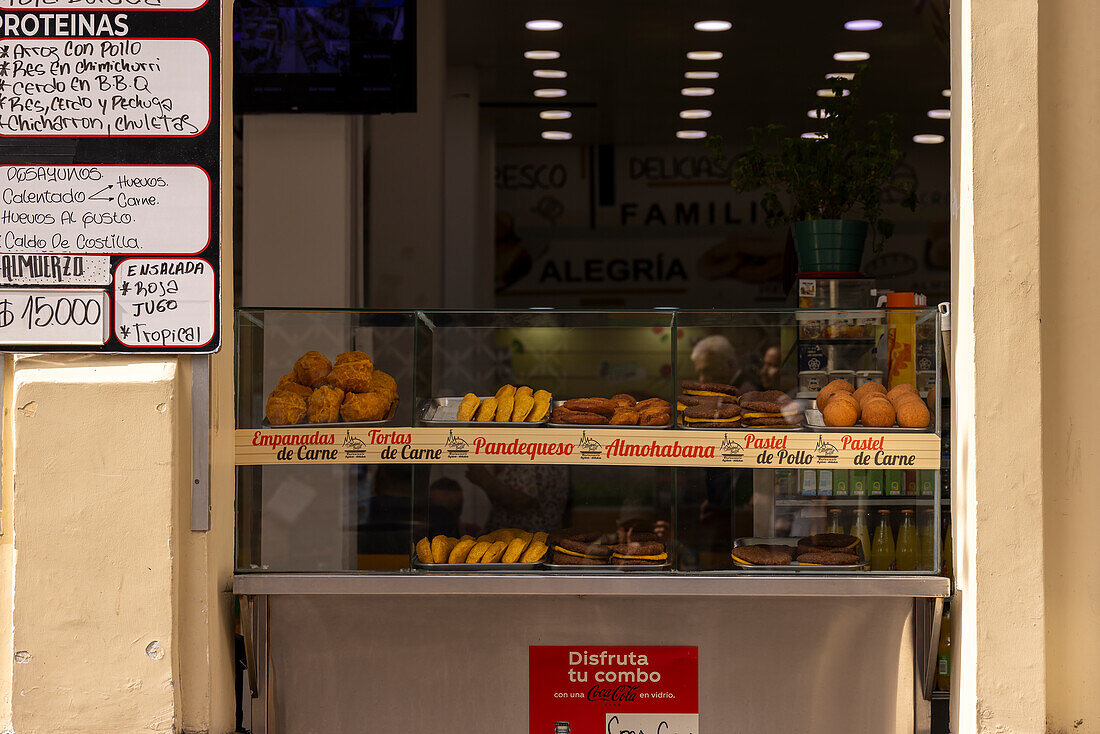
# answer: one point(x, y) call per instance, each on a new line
point(718, 583)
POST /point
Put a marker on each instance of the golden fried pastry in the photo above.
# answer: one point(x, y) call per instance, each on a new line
point(541, 407)
point(496, 550)
point(564, 415)
point(524, 402)
point(539, 537)
point(488, 410)
point(644, 405)
point(900, 388)
point(515, 549)
point(461, 550)
point(383, 382)
point(913, 414)
point(311, 368)
point(285, 408)
point(353, 356)
point(440, 549)
point(603, 406)
point(661, 418)
point(879, 414)
point(288, 379)
point(826, 393)
point(625, 418)
point(300, 390)
point(352, 376)
point(506, 401)
point(467, 409)
point(478, 551)
point(623, 400)
point(840, 413)
point(424, 551)
point(869, 388)
point(366, 406)
point(535, 551)
point(846, 399)
point(324, 404)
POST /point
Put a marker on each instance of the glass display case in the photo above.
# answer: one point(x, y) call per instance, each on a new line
point(554, 442)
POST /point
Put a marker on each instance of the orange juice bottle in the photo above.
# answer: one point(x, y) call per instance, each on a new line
point(882, 547)
point(908, 549)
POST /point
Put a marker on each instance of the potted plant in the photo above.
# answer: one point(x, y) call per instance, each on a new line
point(830, 189)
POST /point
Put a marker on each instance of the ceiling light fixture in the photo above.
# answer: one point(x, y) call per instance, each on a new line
point(691, 134)
point(832, 92)
point(851, 56)
point(928, 139)
point(694, 114)
point(867, 24)
point(817, 114)
point(555, 114)
point(549, 73)
point(700, 74)
point(541, 55)
point(849, 75)
point(713, 25)
point(940, 114)
point(815, 136)
point(697, 91)
point(704, 55)
point(946, 92)
point(556, 135)
point(544, 24)
point(550, 92)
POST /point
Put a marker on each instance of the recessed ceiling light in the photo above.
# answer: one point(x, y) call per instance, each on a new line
point(867, 24)
point(841, 75)
point(543, 25)
point(555, 114)
point(940, 114)
point(832, 93)
point(700, 74)
point(691, 134)
point(550, 92)
point(697, 91)
point(541, 55)
point(851, 56)
point(946, 93)
point(549, 73)
point(817, 114)
point(556, 135)
point(928, 139)
point(704, 55)
point(694, 114)
point(713, 25)
point(815, 136)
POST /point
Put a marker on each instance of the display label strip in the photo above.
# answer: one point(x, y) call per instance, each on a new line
point(600, 447)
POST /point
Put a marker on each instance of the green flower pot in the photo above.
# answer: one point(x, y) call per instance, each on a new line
point(829, 245)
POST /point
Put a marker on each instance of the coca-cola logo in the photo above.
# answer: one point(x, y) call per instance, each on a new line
point(612, 693)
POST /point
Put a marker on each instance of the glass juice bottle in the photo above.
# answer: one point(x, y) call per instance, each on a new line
point(859, 530)
point(834, 523)
point(908, 549)
point(882, 547)
point(927, 541)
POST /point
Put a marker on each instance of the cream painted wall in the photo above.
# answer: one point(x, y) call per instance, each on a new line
point(1069, 163)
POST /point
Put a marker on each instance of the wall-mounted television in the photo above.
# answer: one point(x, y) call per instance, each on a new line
point(338, 56)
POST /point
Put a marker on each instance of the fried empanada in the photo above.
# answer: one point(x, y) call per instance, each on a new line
point(524, 402)
point(367, 406)
point(488, 410)
point(311, 368)
point(352, 376)
point(353, 356)
point(506, 400)
point(467, 409)
point(324, 404)
point(285, 408)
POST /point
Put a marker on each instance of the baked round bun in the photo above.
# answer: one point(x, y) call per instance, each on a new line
point(879, 414)
point(869, 388)
point(903, 387)
point(819, 558)
point(711, 389)
point(845, 397)
point(913, 414)
point(840, 413)
point(761, 555)
point(826, 393)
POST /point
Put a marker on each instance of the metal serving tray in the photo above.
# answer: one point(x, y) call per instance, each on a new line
point(683, 426)
point(795, 566)
point(558, 403)
point(603, 568)
point(443, 411)
point(341, 424)
point(475, 567)
point(816, 422)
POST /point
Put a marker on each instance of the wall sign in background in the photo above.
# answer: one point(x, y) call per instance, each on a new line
point(109, 168)
point(589, 689)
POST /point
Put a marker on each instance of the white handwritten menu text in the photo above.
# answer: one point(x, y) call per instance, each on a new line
point(164, 302)
point(104, 87)
point(116, 210)
point(102, 4)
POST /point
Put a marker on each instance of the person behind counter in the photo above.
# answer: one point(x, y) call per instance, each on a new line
point(526, 497)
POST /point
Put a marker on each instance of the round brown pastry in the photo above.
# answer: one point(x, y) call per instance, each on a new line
point(846, 398)
point(720, 414)
point(324, 404)
point(367, 406)
point(589, 548)
point(567, 559)
point(580, 536)
point(931, 399)
point(603, 406)
point(639, 548)
point(760, 555)
point(638, 536)
point(818, 558)
point(625, 418)
point(896, 391)
point(623, 400)
point(836, 541)
point(285, 408)
point(352, 356)
point(772, 421)
point(383, 382)
point(712, 389)
point(868, 388)
point(766, 401)
point(913, 414)
point(662, 418)
point(311, 368)
point(878, 414)
point(685, 400)
point(575, 417)
point(300, 390)
point(826, 393)
point(840, 413)
point(652, 405)
point(352, 376)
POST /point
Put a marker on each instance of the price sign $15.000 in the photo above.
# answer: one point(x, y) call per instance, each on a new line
point(53, 316)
